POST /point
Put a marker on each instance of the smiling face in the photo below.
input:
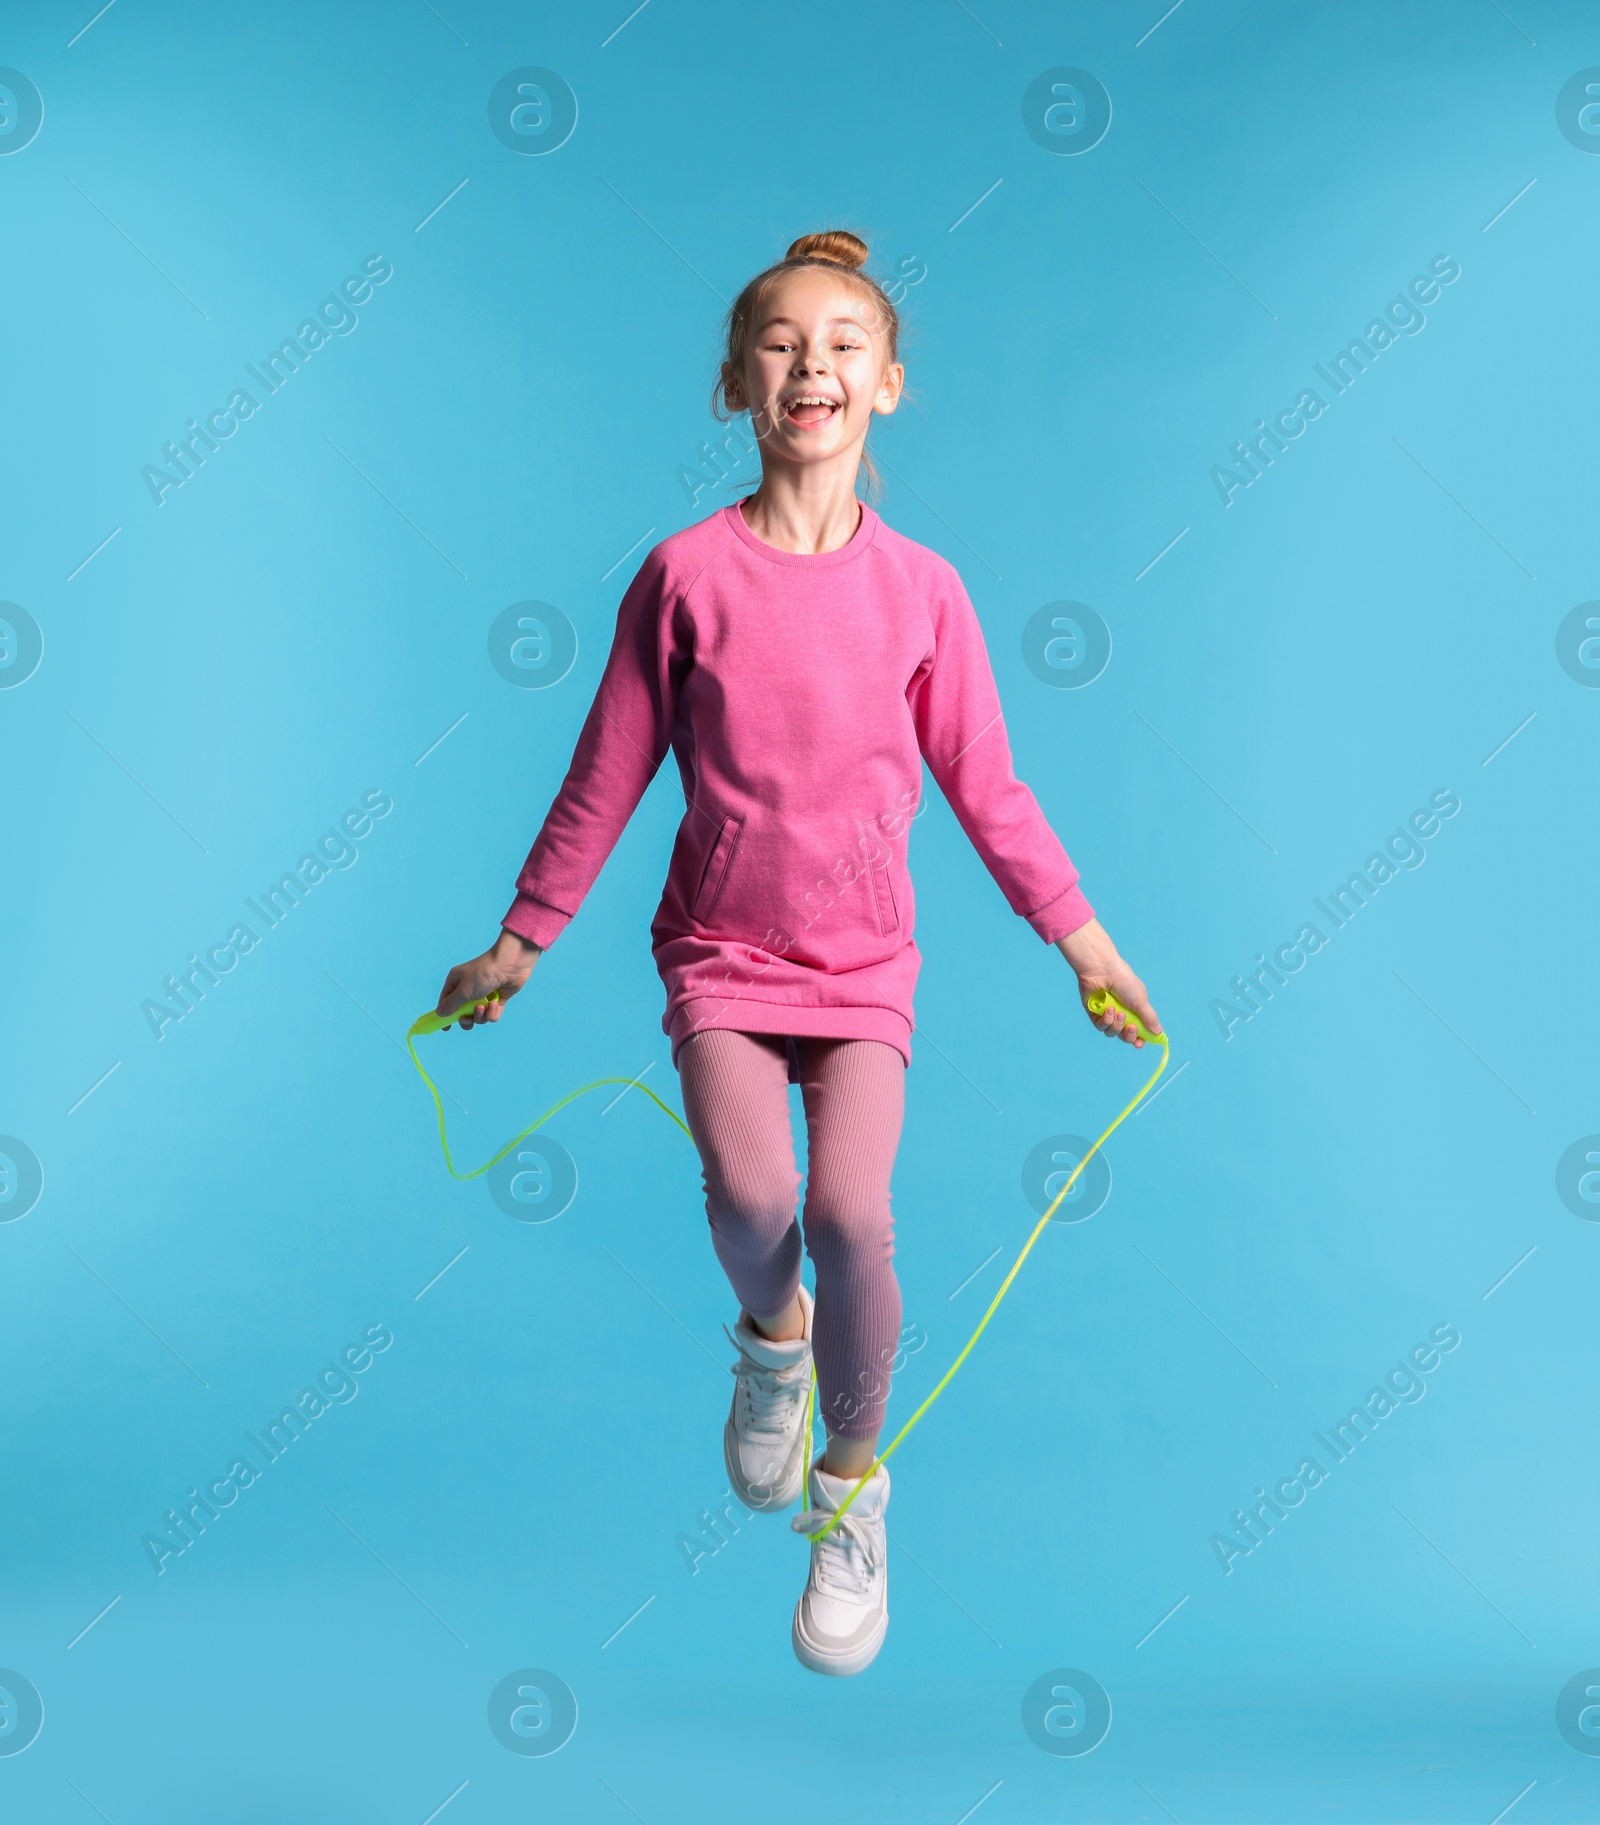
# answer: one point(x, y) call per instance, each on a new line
point(816, 369)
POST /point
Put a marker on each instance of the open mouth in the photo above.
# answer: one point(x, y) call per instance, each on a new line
point(809, 410)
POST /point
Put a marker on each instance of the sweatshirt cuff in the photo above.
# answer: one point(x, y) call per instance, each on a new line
point(1061, 916)
point(534, 920)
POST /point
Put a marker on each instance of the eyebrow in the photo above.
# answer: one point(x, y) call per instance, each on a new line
point(793, 323)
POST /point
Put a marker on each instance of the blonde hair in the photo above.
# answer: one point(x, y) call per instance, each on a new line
point(835, 250)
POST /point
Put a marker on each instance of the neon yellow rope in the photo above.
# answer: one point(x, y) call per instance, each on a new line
point(431, 1023)
point(1096, 1004)
point(1104, 998)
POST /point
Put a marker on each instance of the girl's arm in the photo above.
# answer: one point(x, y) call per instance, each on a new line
point(962, 735)
point(624, 739)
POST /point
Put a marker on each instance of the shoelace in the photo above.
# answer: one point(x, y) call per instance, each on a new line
point(767, 1391)
point(844, 1560)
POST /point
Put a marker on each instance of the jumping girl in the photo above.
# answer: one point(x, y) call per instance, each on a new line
point(801, 660)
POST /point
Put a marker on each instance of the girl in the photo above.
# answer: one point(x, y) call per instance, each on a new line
point(801, 660)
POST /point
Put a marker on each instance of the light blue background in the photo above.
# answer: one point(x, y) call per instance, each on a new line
point(1300, 1205)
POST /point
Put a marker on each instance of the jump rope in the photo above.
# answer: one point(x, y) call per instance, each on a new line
point(1097, 1004)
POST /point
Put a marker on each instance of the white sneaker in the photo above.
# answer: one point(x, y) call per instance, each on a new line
point(843, 1613)
point(763, 1442)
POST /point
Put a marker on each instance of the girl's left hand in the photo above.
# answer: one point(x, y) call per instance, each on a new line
point(1098, 965)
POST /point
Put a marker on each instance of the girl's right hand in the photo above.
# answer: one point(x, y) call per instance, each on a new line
point(500, 971)
point(1097, 964)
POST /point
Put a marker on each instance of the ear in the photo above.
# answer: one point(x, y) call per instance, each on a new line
point(889, 391)
point(732, 388)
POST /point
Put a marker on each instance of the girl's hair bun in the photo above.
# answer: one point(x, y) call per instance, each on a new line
point(835, 244)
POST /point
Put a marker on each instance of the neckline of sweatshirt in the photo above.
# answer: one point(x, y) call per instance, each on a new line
point(865, 533)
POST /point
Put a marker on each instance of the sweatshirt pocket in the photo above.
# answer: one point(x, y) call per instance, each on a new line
point(882, 887)
point(716, 868)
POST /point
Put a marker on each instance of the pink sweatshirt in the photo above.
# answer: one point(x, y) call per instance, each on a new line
point(800, 694)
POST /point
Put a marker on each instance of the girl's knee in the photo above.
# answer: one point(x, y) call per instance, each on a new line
point(764, 1206)
point(849, 1230)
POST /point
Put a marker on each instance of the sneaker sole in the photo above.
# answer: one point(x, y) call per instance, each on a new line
point(841, 1665)
point(760, 1496)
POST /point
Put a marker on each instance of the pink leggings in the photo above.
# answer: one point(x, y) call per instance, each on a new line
point(735, 1095)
